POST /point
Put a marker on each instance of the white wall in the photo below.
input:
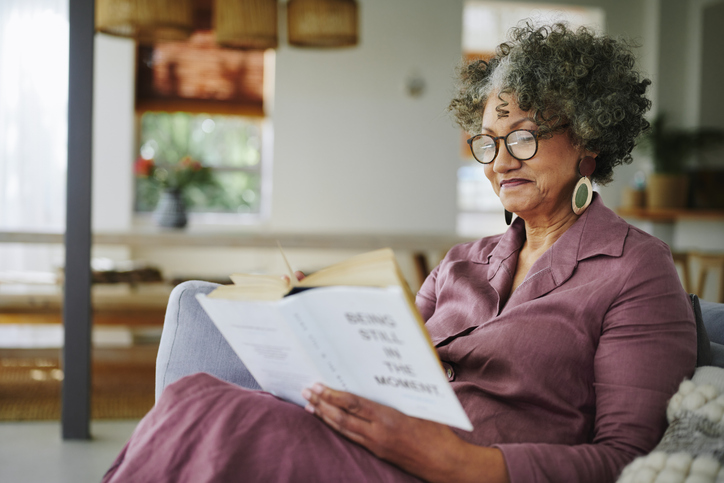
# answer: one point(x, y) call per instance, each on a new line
point(354, 152)
point(113, 133)
point(690, 66)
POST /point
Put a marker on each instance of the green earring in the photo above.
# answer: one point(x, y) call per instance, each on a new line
point(583, 192)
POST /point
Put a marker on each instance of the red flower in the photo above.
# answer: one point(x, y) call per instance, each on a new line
point(188, 162)
point(144, 167)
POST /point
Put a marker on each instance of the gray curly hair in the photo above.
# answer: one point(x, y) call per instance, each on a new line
point(565, 79)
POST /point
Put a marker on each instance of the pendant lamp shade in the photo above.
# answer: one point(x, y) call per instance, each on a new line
point(246, 24)
point(322, 23)
point(145, 20)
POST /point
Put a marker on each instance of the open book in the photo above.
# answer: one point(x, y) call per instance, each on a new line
point(352, 326)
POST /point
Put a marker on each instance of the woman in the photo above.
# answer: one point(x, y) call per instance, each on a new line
point(564, 337)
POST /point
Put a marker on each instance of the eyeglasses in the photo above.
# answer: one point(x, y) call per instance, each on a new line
point(521, 144)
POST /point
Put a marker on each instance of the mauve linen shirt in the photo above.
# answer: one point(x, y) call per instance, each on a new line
point(571, 375)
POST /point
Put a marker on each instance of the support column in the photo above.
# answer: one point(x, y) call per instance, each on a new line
point(75, 417)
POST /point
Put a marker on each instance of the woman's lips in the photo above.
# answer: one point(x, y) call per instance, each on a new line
point(512, 183)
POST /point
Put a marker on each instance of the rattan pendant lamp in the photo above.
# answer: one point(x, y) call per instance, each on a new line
point(322, 23)
point(147, 21)
point(246, 24)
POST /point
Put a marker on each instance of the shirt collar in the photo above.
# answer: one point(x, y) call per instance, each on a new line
point(598, 231)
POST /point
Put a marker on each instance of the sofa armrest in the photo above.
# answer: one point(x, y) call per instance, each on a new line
point(191, 343)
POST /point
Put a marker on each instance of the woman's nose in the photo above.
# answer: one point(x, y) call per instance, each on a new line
point(504, 162)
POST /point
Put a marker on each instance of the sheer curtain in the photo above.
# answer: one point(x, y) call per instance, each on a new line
point(33, 126)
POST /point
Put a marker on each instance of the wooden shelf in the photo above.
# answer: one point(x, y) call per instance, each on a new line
point(156, 237)
point(670, 215)
point(129, 318)
point(107, 299)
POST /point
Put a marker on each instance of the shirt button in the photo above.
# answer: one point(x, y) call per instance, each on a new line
point(449, 371)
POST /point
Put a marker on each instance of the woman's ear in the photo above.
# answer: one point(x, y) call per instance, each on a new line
point(587, 154)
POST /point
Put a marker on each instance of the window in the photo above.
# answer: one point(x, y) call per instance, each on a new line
point(194, 99)
point(33, 127)
point(229, 145)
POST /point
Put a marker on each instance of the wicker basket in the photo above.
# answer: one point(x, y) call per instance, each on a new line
point(246, 24)
point(322, 23)
point(147, 21)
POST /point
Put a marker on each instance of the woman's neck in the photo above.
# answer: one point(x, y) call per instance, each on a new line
point(542, 234)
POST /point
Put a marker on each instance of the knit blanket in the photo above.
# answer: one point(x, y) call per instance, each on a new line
point(692, 449)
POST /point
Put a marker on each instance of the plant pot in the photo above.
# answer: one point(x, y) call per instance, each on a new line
point(633, 198)
point(667, 191)
point(170, 211)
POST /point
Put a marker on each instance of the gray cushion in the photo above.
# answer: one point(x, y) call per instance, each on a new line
point(717, 354)
point(713, 315)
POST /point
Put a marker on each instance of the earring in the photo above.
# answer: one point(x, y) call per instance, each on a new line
point(583, 192)
point(508, 217)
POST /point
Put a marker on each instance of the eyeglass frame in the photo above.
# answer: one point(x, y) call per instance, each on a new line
point(495, 139)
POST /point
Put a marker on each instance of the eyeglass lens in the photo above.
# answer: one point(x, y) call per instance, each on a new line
point(521, 145)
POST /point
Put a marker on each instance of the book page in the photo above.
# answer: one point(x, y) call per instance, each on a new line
point(377, 268)
point(369, 342)
point(265, 344)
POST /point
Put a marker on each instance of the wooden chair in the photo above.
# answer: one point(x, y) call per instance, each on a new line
point(681, 260)
point(709, 262)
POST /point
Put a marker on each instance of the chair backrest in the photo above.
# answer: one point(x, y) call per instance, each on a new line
point(703, 345)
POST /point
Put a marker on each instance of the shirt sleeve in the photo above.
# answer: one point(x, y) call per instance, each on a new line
point(646, 348)
point(426, 299)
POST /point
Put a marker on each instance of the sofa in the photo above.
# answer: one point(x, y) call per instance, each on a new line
point(692, 447)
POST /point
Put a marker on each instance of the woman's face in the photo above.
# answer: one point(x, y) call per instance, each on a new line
point(541, 187)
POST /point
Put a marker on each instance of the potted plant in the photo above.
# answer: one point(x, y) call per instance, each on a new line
point(671, 149)
point(173, 179)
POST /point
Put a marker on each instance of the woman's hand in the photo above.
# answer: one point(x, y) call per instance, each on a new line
point(424, 448)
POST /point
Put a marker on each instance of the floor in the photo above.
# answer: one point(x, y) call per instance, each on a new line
point(33, 452)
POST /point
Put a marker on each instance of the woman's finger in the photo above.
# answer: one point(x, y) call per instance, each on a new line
point(347, 424)
point(340, 410)
point(299, 276)
point(350, 403)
